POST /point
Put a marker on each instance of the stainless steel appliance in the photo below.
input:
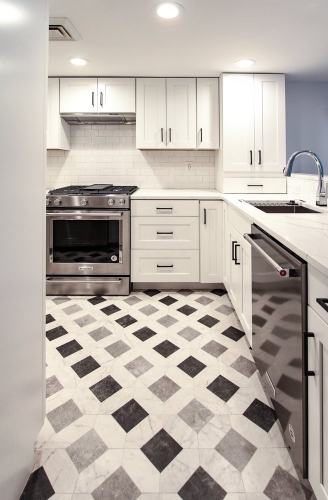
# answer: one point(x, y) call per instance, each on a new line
point(88, 240)
point(279, 336)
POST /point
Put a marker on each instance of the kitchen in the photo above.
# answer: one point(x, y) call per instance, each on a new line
point(93, 159)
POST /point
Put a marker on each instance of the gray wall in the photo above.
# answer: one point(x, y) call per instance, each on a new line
point(23, 65)
point(307, 123)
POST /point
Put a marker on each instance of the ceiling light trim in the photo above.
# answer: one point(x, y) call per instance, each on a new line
point(245, 63)
point(168, 10)
point(78, 61)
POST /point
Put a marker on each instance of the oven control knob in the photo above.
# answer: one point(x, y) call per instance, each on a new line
point(57, 202)
point(47, 201)
point(84, 202)
point(111, 201)
point(122, 201)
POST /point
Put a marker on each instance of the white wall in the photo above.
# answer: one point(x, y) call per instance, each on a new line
point(307, 123)
point(23, 58)
point(107, 153)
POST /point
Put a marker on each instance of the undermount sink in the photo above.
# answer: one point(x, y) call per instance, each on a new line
point(282, 207)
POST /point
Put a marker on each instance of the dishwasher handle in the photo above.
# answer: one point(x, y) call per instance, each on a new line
point(284, 273)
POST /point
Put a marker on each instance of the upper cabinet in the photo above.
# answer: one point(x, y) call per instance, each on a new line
point(253, 133)
point(58, 131)
point(177, 113)
point(207, 113)
point(92, 95)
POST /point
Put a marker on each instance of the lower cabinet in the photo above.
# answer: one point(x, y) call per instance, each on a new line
point(165, 266)
point(318, 404)
point(211, 242)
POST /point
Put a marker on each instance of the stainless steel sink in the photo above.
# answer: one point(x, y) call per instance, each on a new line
point(282, 207)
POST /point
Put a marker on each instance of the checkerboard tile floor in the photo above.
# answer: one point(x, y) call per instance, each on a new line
point(156, 397)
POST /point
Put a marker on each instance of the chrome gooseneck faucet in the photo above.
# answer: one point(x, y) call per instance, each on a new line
point(321, 191)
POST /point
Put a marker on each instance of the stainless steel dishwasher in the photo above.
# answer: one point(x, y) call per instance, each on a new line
point(279, 336)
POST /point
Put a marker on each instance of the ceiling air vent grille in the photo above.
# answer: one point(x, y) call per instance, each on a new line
point(61, 29)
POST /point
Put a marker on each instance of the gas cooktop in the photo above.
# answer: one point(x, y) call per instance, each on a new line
point(94, 190)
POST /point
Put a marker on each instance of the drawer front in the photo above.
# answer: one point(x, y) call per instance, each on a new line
point(164, 265)
point(318, 289)
point(254, 185)
point(165, 233)
point(165, 208)
point(238, 221)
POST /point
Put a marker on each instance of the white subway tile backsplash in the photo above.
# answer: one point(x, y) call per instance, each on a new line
point(303, 186)
point(107, 153)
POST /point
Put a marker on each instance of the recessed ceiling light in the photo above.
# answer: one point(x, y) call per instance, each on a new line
point(244, 63)
point(78, 61)
point(168, 10)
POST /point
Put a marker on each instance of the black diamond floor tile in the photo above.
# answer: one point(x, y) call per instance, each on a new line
point(208, 321)
point(55, 333)
point(233, 333)
point(219, 292)
point(283, 485)
point(201, 486)
point(151, 293)
point(96, 300)
point(85, 366)
point(223, 388)
point(105, 388)
point(144, 333)
point(166, 348)
point(108, 310)
point(191, 366)
point(69, 348)
point(126, 321)
point(187, 310)
point(38, 486)
point(130, 415)
point(168, 301)
point(49, 319)
point(261, 415)
point(161, 450)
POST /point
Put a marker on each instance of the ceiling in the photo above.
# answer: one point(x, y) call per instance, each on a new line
point(126, 38)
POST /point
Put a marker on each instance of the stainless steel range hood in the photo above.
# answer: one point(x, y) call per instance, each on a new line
point(98, 119)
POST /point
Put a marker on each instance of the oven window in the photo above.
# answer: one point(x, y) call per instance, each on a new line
point(92, 241)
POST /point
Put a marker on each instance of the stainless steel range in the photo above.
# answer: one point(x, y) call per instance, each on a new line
point(88, 240)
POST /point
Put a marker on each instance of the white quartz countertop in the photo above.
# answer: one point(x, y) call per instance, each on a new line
point(304, 234)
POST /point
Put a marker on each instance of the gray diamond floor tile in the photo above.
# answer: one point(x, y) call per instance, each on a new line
point(86, 450)
point(236, 449)
point(226, 310)
point(100, 333)
point(148, 310)
point(119, 486)
point(72, 309)
point(164, 388)
point(196, 415)
point(244, 366)
point(214, 348)
point(138, 366)
point(64, 415)
point(189, 333)
point(52, 386)
point(117, 348)
point(85, 320)
point(60, 300)
point(132, 300)
point(204, 300)
point(167, 321)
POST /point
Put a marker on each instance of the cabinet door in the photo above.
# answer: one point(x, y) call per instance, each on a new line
point(78, 95)
point(58, 131)
point(207, 113)
point(270, 123)
point(237, 108)
point(116, 95)
point(151, 113)
point(318, 405)
point(245, 258)
point(234, 269)
point(181, 113)
point(226, 246)
point(211, 241)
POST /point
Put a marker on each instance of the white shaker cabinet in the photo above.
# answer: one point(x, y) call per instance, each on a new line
point(211, 241)
point(78, 95)
point(58, 131)
point(166, 113)
point(208, 113)
point(116, 95)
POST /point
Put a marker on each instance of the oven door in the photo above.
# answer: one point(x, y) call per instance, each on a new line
point(88, 242)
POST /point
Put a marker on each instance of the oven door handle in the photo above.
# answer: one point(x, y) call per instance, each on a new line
point(87, 214)
point(284, 273)
point(92, 281)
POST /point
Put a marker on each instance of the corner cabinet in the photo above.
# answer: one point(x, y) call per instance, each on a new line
point(253, 133)
point(166, 113)
point(208, 113)
point(58, 131)
point(210, 241)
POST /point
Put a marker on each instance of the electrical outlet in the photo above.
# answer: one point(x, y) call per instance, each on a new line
point(189, 165)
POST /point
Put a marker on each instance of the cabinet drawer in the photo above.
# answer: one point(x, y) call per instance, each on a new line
point(254, 185)
point(165, 208)
point(318, 289)
point(164, 265)
point(238, 221)
point(165, 233)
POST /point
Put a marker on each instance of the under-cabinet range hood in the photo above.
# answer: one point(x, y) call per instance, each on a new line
point(96, 119)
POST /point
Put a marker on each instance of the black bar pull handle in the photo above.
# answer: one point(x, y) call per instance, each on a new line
point(162, 134)
point(306, 337)
point(260, 157)
point(201, 135)
point(251, 157)
point(101, 99)
point(233, 243)
point(170, 232)
point(236, 263)
point(170, 135)
point(205, 216)
point(171, 265)
point(93, 99)
point(323, 303)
